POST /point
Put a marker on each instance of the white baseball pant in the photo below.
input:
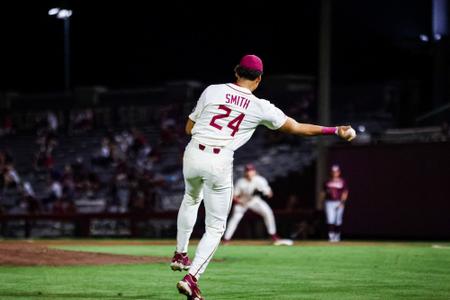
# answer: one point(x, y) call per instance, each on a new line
point(334, 212)
point(257, 205)
point(207, 176)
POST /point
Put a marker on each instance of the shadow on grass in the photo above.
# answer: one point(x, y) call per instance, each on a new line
point(39, 295)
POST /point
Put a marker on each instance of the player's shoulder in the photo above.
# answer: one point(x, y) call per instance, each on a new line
point(217, 86)
point(214, 89)
point(265, 103)
point(241, 180)
point(260, 178)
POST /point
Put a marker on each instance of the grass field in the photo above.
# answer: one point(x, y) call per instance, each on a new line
point(305, 271)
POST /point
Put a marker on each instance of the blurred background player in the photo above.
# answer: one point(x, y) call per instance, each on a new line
point(249, 192)
point(335, 194)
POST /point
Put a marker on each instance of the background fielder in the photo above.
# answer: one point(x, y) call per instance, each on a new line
point(224, 119)
point(248, 194)
point(335, 194)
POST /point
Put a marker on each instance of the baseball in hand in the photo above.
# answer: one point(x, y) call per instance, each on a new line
point(350, 134)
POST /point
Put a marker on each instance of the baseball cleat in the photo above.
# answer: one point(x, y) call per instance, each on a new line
point(188, 286)
point(283, 242)
point(180, 262)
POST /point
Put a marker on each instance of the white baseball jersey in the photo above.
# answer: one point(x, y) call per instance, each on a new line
point(245, 188)
point(227, 115)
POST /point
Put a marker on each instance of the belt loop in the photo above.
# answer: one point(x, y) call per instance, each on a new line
point(216, 150)
point(201, 147)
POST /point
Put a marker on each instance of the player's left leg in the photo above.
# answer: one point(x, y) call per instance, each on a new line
point(263, 209)
point(187, 214)
point(339, 217)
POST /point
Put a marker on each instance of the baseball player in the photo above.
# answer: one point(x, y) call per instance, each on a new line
point(249, 192)
point(224, 119)
point(335, 194)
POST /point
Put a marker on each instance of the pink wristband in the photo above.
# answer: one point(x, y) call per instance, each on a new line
point(329, 130)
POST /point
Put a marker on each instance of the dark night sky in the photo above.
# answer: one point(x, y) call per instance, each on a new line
point(140, 43)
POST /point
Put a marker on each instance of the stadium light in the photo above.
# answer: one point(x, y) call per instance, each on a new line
point(53, 11)
point(424, 38)
point(64, 14)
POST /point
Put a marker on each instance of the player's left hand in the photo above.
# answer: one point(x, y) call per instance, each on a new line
point(346, 132)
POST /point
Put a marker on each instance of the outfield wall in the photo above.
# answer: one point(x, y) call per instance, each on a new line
point(396, 190)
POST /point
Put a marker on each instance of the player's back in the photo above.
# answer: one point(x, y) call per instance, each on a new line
point(227, 115)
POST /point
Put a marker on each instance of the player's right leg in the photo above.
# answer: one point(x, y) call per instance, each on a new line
point(330, 210)
point(238, 212)
point(187, 214)
point(339, 216)
point(263, 209)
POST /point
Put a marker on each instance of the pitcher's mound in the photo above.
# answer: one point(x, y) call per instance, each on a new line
point(25, 254)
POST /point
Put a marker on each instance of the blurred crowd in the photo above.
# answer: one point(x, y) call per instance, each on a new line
point(121, 170)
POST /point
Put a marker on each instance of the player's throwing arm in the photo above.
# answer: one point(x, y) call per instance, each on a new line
point(293, 127)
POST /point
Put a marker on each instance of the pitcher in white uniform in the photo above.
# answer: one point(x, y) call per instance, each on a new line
point(224, 119)
point(249, 192)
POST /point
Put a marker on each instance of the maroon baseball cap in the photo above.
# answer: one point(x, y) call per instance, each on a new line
point(251, 62)
point(249, 167)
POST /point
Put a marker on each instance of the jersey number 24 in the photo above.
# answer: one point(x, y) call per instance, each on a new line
point(233, 124)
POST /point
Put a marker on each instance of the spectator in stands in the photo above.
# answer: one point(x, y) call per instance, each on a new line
point(335, 194)
point(139, 141)
point(44, 157)
point(55, 191)
point(147, 164)
point(52, 122)
point(29, 199)
point(119, 188)
point(82, 121)
point(68, 183)
point(11, 179)
point(104, 157)
point(6, 161)
point(123, 140)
